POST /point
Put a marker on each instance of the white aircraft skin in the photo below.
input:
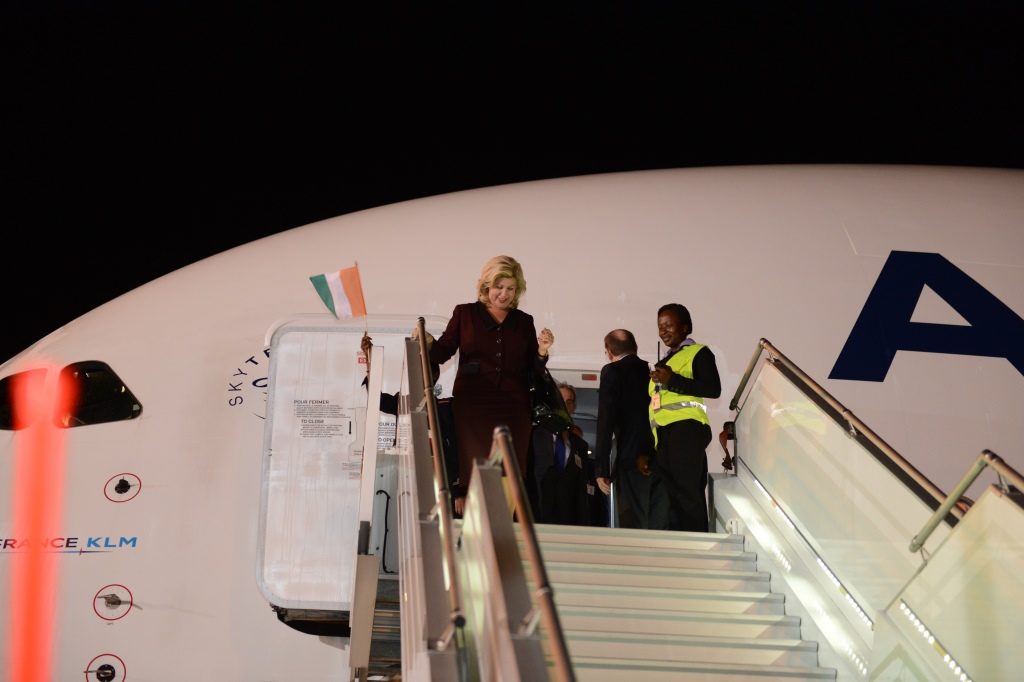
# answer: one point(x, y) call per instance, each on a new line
point(787, 253)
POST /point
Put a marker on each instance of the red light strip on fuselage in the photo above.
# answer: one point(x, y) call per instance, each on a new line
point(38, 486)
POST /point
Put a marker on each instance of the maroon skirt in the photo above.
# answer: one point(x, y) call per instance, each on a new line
point(476, 417)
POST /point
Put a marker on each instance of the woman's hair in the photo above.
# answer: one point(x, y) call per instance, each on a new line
point(497, 268)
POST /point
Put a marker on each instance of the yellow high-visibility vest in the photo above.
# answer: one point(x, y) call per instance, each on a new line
point(676, 407)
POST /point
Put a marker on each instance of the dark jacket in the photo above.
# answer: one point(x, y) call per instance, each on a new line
point(493, 358)
point(491, 386)
point(622, 401)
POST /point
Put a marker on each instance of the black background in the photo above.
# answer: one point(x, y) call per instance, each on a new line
point(139, 137)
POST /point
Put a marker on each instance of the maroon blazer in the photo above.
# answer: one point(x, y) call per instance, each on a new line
point(493, 358)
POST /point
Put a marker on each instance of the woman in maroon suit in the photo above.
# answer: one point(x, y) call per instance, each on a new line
point(498, 346)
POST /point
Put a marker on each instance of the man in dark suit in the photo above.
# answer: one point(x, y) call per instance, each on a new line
point(560, 472)
point(622, 401)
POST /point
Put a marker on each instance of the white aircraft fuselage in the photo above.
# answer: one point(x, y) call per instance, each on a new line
point(899, 289)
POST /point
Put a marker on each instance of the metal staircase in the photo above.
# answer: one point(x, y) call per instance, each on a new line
point(843, 563)
point(643, 605)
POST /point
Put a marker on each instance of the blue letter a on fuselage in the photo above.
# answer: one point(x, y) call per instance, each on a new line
point(884, 325)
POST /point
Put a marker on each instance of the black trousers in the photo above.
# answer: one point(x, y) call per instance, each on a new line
point(637, 499)
point(681, 469)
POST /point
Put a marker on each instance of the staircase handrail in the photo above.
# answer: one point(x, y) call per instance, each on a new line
point(854, 425)
point(502, 452)
point(987, 458)
point(442, 494)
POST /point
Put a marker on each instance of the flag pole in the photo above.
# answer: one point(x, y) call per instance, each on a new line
point(366, 324)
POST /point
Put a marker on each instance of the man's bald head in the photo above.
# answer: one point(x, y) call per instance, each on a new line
point(620, 342)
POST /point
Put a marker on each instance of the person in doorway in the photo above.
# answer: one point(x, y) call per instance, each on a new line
point(560, 471)
point(678, 385)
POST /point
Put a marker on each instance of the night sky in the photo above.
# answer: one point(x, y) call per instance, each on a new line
point(139, 137)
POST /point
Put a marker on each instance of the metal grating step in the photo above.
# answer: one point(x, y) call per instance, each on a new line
point(648, 556)
point(592, 669)
point(640, 621)
point(692, 648)
point(616, 575)
point(657, 599)
point(636, 537)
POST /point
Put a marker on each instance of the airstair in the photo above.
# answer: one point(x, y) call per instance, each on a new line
point(684, 606)
point(832, 559)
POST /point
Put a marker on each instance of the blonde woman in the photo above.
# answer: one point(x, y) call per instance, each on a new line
point(498, 346)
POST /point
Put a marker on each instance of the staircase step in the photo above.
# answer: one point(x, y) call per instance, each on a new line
point(647, 556)
point(636, 537)
point(655, 599)
point(653, 576)
point(645, 621)
point(386, 639)
point(594, 669)
point(692, 648)
point(385, 662)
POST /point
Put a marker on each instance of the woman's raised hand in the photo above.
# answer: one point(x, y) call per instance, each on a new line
point(545, 341)
point(366, 345)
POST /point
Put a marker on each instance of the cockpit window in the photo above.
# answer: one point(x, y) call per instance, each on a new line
point(100, 394)
point(8, 416)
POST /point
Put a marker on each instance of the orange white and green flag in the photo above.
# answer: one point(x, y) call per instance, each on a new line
point(342, 292)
